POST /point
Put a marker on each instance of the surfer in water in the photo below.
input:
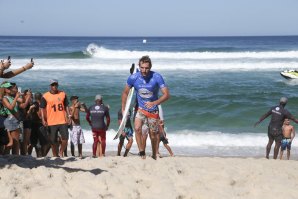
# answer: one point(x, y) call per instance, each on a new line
point(278, 115)
point(147, 85)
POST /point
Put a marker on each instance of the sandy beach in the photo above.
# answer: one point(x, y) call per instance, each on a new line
point(132, 177)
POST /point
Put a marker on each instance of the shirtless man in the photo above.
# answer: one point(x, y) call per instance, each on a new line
point(288, 132)
point(76, 135)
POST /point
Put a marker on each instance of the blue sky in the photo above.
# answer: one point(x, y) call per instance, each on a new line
point(148, 18)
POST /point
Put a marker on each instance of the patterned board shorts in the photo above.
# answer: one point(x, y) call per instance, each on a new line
point(148, 123)
point(286, 144)
point(77, 135)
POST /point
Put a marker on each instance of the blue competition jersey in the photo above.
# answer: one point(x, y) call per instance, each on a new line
point(147, 88)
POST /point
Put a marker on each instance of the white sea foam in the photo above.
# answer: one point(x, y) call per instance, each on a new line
point(189, 142)
point(101, 52)
point(107, 59)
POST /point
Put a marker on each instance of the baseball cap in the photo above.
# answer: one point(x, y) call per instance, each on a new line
point(6, 85)
point(74, 97)
point(283, 100)
point(98, 97)
point(52, 81)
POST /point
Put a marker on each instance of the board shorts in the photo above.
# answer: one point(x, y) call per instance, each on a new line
point(164, 140)
point(286, 144)
point(275, 134)
point(77, 135)
point(11, 123)
point(149, 119)
point(128, 134)
point(53, 132)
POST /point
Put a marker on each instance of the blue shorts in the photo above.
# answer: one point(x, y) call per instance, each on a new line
point(286, 144)
point(128, 132)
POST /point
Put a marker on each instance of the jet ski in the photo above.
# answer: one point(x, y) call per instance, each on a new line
point(289, 74)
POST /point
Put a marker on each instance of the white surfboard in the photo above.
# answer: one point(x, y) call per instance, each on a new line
point(126, 110)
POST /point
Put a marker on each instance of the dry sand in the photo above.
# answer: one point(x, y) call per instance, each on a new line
point(132, 177)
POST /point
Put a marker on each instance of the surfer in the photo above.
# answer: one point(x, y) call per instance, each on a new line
point(98, 113)
point(127, 133)
point(278, 115)
point(56, 116)
point(147, 85)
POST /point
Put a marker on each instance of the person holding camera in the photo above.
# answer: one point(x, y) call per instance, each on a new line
point(5, 64)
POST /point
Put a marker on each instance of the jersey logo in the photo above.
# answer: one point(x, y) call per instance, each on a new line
point(59, 99)
point(144, 93)
point(277, 108)
point(97, 107)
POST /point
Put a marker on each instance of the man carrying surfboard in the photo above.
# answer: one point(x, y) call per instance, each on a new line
point(147, 85)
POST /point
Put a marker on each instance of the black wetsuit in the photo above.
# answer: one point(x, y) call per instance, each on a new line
point(278, 115)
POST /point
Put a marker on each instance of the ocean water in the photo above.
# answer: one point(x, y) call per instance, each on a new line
point(219, 86)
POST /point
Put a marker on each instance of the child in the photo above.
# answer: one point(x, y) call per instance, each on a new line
point(163, 139)
point(288, 132)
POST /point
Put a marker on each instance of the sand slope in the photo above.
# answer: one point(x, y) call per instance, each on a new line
point(132, 177)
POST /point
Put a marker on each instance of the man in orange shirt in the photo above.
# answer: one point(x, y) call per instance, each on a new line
point(56, 116)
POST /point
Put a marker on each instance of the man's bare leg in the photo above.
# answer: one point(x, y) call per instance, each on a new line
point(138, 130)
point(80, 147)
point(153, 138)
point(54, 150)
point(276, 149)
point(268, 148)
point(63, 147)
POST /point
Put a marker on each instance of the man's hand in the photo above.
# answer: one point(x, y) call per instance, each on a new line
point(149, 104)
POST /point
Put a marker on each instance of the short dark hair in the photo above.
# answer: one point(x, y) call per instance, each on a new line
point(145, 59)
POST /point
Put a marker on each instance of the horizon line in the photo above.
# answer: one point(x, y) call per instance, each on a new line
point(150, 36)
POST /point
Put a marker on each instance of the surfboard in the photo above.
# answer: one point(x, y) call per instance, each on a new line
point(127, 107)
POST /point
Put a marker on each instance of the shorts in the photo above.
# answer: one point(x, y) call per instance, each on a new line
point(39, 133)
point(286, 144)
point(275, 134)
point(11, 123)
point(164, 140)
point(4, 140)
point(53, 132)
point(128, 132)
point(101, 133)
point(76, 135)
point(27, 124)
point(152, 123)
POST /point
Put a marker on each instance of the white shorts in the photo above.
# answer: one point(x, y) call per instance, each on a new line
point(77, 135)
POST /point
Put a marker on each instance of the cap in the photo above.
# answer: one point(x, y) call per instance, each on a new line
point(74, 97)
point(98, 97)
point(283, 100)
point(52, 81)
point(6, 85)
